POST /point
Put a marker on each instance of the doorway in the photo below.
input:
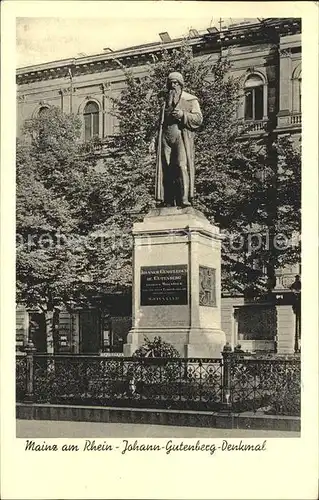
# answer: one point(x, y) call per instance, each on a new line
point(37, 331)
point(256, 327)
point(90, 331)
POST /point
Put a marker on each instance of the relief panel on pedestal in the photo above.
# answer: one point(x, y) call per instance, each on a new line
point(207, 286)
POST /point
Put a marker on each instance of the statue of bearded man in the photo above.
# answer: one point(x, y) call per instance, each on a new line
point(175, 169)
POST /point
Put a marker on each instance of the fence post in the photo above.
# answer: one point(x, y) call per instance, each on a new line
point(227, 355)
point(29, 349)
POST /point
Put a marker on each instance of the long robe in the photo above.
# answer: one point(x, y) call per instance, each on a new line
point(191, 120)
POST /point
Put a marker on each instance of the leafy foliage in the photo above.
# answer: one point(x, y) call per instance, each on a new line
point(237, 181)
point(51, 174)
point(289, 194)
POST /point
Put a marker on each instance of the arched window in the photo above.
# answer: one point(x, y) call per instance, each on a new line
point(254, 98)
point(43, 110)
point(296, 90)
point(91, 120)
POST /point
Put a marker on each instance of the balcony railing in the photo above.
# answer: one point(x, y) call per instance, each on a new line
point(234, 382)
point(253, 126)
point(295, 119)
point(257, 125)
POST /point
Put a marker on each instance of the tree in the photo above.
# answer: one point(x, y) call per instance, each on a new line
point(289, 194)
point(237, 181)
point(51, 175)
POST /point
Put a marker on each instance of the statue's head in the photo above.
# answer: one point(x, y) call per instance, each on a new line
point(175, 79)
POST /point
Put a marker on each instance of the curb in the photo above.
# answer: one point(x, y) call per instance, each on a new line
point(157, 417)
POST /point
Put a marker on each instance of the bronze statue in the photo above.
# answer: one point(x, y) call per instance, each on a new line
point(175, 169)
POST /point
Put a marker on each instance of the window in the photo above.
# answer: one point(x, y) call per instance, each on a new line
point(42, 110)
point(254, 98)
point(256, 322)
point(296, 89)
point(91, 120)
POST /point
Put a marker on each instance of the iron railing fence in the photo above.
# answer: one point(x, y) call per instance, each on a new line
point(269, 384)
point(138, 382)
point(21, 377)
point(231, 383)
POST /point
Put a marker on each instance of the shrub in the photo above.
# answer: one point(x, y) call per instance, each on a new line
point(161, 369)
point(156, 348)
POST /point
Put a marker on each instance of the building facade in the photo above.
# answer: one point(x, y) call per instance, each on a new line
point(266, 56)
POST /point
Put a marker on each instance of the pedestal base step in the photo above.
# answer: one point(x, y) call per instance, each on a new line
point(190, 342)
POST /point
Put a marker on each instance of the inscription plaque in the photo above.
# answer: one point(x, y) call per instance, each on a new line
point(164, 285)
point(207, 286)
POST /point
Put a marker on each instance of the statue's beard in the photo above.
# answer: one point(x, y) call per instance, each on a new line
point(174, 96)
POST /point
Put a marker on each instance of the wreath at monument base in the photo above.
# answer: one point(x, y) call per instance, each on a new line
point(156, 348)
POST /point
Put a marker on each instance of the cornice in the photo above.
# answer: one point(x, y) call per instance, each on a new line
point(98, 63)
point(268, 31)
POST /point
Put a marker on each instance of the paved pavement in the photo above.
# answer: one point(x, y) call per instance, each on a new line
point(59, 429)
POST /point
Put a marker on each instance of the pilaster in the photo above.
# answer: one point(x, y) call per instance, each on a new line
point(176, 282)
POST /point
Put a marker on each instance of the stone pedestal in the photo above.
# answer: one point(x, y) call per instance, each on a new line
point(176, 282)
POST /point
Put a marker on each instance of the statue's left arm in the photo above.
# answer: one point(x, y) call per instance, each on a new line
point(192, 118)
